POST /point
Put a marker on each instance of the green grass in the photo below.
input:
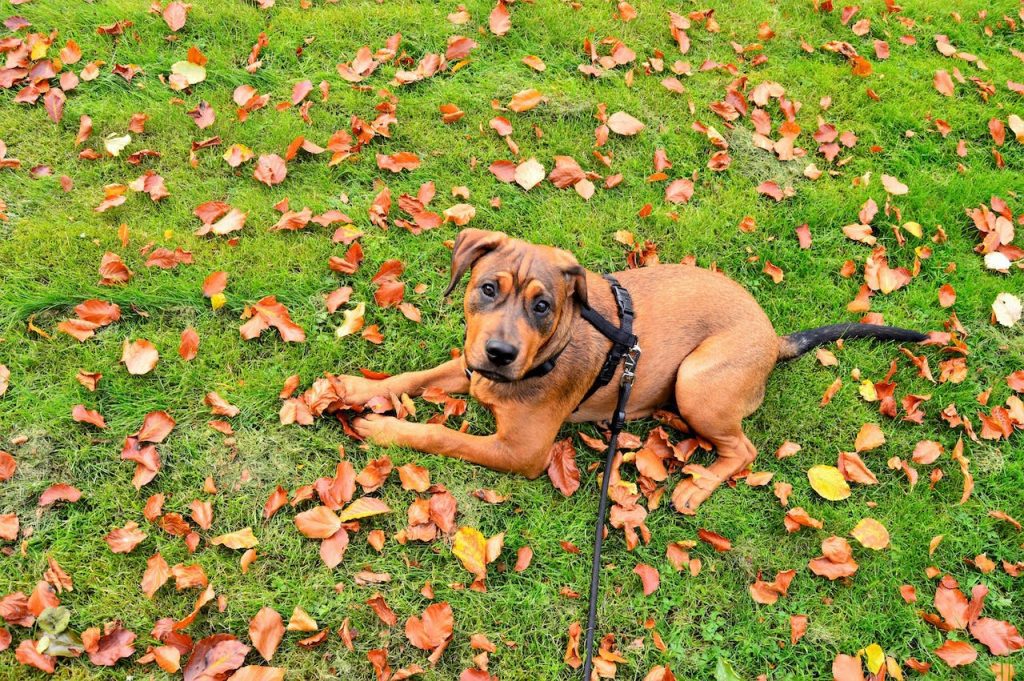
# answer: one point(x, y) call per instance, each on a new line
point(51, 247)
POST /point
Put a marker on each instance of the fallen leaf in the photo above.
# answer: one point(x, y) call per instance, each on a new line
point(266, 630)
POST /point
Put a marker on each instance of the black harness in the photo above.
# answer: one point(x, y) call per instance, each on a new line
point(624, 345)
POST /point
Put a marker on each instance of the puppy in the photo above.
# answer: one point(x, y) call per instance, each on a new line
point(707, 345)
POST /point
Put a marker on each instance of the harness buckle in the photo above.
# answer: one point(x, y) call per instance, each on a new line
point(629, 363)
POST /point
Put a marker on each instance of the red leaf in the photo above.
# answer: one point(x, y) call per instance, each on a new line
point(188, 348)
point(679, 191)
point(318, 523)
point(26, 654)
point(332, 549)
point(124, 540)
point(139, 357)
point(1001, 638)
point(82, 415)
point(403, 160)
point(847, 668)
point(155, 427)
point(156, 575)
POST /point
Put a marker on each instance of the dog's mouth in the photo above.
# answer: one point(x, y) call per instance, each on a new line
point(492, 375)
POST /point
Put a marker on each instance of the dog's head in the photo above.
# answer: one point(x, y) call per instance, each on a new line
point(520, 302)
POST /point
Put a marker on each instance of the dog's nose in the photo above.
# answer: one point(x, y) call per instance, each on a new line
point(501, 353)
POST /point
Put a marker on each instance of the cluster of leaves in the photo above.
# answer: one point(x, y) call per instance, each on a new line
point(36, 70)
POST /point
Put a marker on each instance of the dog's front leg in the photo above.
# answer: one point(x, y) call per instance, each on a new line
point(450, 377)
point(522, 443)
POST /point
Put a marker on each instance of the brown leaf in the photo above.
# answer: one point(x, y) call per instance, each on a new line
point(215, 657)
point(562, 470)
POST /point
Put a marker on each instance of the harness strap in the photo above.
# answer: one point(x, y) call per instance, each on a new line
point(622, 337)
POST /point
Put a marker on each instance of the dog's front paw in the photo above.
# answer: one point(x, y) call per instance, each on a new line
point(357, 390)
point(378, 429)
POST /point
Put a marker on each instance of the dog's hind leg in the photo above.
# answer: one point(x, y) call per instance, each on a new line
point(717, 386)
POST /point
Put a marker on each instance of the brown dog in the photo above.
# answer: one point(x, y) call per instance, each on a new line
point(706, 343)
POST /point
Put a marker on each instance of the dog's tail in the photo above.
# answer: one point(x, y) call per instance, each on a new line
point(796, 344)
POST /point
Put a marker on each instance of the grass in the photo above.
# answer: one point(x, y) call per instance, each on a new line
point(51, 247)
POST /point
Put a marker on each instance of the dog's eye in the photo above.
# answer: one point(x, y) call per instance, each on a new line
point(541, 307)
point(488, 290)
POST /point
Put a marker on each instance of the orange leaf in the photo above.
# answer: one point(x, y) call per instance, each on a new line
point(649, 577)
point(139, 357)
point(318, 523)
point(364, 507)
point(432, 629)
point(871, 534)
point(266, 630)
point(957, 653)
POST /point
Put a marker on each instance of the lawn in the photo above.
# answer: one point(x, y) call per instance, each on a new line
point(53, 239)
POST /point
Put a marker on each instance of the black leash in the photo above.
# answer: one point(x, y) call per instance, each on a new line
point(625, 348)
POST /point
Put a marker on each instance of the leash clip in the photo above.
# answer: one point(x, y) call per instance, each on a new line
point(629, 365)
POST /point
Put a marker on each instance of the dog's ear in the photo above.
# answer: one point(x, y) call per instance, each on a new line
point(577, 276)
point(470, 246)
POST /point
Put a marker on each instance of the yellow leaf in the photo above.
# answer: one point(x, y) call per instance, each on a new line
point(364, 507)
point(876, 657)
point(470, 548)
point(867, 391)
point(192, 73)
point(217, 300)
point(914, 228)
point(242, 539)
point(871, 534)
point(828, 482)
point(39, 50)
point(353, 321)
point(114, 143)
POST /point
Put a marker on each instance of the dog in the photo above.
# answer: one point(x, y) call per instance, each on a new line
point(707, 346)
